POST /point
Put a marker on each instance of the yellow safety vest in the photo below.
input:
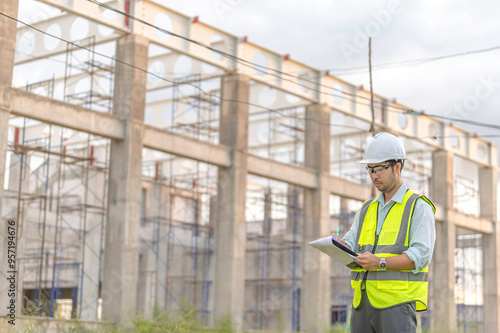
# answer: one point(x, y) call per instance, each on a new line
point(389, 288)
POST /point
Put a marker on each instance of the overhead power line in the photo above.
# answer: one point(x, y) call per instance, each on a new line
point(411, 62)
point(396, 109)
point(299, 80)
point(458, 120)
point(256, 67)
point(265, 69)
point(168, 80)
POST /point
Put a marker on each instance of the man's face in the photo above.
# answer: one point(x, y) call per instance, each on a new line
point(383, 176)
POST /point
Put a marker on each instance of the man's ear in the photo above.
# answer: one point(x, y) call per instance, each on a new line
point(398, 166)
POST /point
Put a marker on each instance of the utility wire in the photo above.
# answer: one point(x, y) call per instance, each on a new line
point(245, 62)
point(260, 68)
point(397, 109)
point(411, 62)
point(173, 81)
point(459, 120)
point(463, 136)
point(372, 107)
point(256, 67)
point(265, 69)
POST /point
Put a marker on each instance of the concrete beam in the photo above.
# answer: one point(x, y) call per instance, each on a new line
point(50, 111)
point(63, 114)
point(477, 224)
point(307, 178)
point(287, 173)
point(41, 52)
point(66, 115)
point(101, 28)
point(92, 12)
point(304, 87)
point(161, 140)
point(473, 149)
point(347, 189)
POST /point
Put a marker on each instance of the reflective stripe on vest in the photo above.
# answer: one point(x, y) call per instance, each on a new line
point(389, 288)
point(392, 275)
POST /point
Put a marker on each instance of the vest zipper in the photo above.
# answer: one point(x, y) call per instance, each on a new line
point(375, 245)
point(363, 284)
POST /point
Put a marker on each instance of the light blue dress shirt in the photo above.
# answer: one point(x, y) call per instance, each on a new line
point(422, 235)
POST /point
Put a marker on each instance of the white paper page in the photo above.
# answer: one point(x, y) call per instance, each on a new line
point(325, 245)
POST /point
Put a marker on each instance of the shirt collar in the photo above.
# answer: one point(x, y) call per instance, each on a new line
point(398, 197)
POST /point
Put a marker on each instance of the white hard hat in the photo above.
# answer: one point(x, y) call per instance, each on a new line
point(384, 147)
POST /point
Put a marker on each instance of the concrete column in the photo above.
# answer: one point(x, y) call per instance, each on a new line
point(8, 43)
point(491, 249)
point(267, 225)
point(315, 302)
point(230, 225)
point(19, 181)
point(443, 307)
point(293, 212)
point(8, 40)
point(160, 195)
point(153, 263)
point(120, 276)
point(346, 217)
point(146, 297)
point(488, 192)
point(92, 246)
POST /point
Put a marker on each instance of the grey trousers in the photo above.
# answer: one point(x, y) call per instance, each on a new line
point(401, 318)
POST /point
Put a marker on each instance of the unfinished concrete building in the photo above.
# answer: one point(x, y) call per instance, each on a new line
point(151, 160)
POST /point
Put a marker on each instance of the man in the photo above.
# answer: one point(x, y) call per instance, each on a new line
point(394, 235)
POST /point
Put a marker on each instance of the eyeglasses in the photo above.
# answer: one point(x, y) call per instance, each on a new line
point(378, 168)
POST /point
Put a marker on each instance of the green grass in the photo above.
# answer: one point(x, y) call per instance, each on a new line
point(183, 321)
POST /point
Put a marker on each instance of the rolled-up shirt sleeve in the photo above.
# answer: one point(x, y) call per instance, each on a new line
point(350, 236)
point(422, 235)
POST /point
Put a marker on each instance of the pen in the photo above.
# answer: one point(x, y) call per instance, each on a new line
point(338, 229)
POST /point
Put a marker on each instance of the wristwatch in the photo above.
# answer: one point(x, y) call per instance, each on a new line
point(382, 265)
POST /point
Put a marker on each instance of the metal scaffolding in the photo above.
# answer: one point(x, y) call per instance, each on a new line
point(58, 177)
point(469, 282)
point(179, 236)
point(57, 202)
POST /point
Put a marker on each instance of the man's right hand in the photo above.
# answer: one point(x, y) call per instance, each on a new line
point(342, 241)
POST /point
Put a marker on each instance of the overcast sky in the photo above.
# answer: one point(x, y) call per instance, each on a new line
point(332, 34)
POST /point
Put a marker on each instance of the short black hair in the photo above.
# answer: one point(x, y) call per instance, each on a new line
point(394, 162)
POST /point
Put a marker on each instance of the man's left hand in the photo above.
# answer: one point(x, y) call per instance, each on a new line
point(368, 261)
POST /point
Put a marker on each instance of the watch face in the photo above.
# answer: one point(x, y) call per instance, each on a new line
point(383, 265)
